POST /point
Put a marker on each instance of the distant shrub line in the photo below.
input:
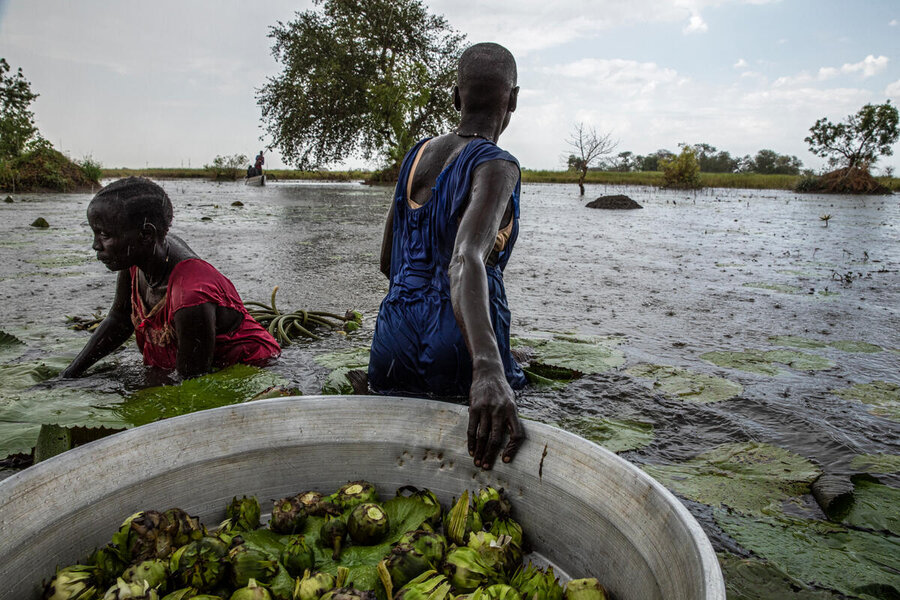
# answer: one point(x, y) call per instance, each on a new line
point(638, 178)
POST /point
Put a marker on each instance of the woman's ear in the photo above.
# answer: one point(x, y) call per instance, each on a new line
point(148, 233)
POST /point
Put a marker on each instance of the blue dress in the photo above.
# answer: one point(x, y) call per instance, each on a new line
point(418, 347)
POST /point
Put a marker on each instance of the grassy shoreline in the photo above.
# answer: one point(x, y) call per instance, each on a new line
point(640, 178)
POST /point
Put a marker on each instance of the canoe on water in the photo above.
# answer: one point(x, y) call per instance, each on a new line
point(258, 180)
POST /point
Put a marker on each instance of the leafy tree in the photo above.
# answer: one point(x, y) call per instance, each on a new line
point(589, 147)
point(360, 77)
point(651, 161)
point(769, 162)
point(859, 140)
point(227, 167)
point(682, 171)
point(623, 161)
point(712, 160)
point(574, 163)
point(17, 126)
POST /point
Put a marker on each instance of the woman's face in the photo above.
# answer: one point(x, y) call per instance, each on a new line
point(117, 246)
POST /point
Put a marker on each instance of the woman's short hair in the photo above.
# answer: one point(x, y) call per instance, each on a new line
point(141, 201)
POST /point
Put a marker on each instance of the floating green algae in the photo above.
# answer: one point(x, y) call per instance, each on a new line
point(859, 564)
point(882, 396)
point(232, 385)
point(806, 274)
point(565, 357)
point(404, 514)
point(614, 435)
point(876, 463)
point(775, 287)
point(875, 506)
point(748, 476)
point(687, 385)
point(762, 361)
point(749, 579)
point(55, 260)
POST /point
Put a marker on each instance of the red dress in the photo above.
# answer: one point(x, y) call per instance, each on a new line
point(193, 282)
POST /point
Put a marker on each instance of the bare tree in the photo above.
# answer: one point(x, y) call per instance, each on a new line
point(588, 147)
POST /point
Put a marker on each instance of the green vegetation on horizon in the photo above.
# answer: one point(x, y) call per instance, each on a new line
point(641, 178)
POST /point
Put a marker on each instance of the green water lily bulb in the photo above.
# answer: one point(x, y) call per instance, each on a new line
point(367, 523)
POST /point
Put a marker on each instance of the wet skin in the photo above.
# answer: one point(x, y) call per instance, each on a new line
point(119, 247)
point(492, 408)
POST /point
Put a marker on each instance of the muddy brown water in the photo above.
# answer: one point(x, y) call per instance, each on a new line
point(674, 279)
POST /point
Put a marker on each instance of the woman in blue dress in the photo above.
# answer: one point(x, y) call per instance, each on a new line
point(443, 328)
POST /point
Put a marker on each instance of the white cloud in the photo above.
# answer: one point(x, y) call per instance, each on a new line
point(869, 66)
point(893, 89)
point(696, 24)
point(893, 23)
point(740, 64)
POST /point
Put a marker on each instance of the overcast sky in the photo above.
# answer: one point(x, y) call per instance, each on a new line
point(164, 83)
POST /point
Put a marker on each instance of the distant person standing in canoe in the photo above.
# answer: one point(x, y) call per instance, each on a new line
point(260, 161)
point(185, 315)
point(443, 328)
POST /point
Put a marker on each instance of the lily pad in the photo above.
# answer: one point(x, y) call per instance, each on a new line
point(762, 361)
point(612, 434)
point(883, 396)
point(337, 382)
point(541, 381)
point(352, 358)
point(21, 376)
point(749, 579)
point(23, 412)
point(687, 385)
point(749, 477)
point(875, 506)
point(404, 514)
point(876, 463)
point(10, 346)
point(856, 563)
point(341, 363)
point(565, 357)
point(795, 341)
point(17, 438)
point(842, 345)
point(775, 287)
point(233, 385)
point(851, 346)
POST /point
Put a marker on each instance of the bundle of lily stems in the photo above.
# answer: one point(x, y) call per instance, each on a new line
point(287, 326)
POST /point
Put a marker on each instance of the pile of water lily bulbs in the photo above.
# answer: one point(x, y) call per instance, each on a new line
point(346, 546)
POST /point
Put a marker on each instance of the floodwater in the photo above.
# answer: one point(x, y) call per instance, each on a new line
point(720, 270)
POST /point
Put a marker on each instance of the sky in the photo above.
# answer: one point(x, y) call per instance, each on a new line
point(169, 84)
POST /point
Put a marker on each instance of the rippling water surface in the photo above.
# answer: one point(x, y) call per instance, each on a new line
point(686, 275)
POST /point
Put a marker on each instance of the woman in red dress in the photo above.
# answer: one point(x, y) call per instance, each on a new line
point(185, 314)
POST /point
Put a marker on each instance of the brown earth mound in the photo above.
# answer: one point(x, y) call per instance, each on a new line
point(44, 170)
point(850, 180)
point(616, 202)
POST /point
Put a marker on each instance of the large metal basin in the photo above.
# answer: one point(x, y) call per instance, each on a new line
point(585, 509)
